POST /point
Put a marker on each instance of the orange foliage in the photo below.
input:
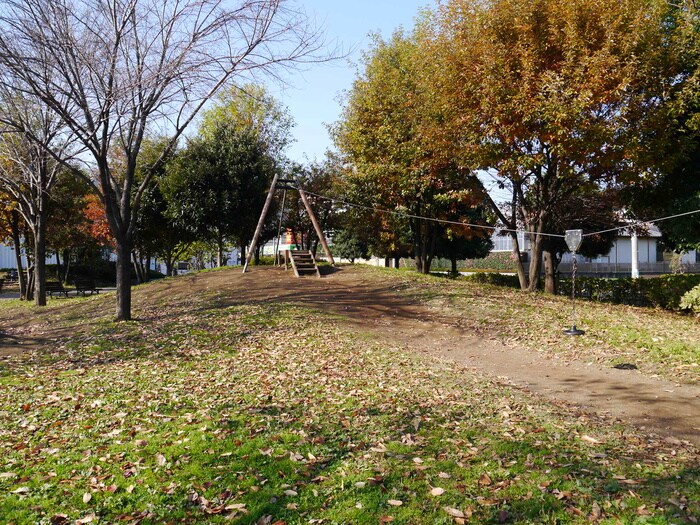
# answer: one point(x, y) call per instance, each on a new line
point(98, 227)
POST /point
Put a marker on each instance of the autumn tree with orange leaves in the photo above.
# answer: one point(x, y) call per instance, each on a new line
point(547, 97)
point(396, 165)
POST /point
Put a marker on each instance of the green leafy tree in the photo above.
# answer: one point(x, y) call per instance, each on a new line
point(671, 144)
point(216, 186)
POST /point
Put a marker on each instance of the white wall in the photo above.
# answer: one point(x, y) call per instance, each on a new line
point(621, 252)
point(8, 260)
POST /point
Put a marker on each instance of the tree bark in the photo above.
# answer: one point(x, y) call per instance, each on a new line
point(40, 255)
point(29, 291)
point(220, 251)
point(66, 262)
point(123, 310)
point(535, 263)
point(550, 280)
point(14, 227)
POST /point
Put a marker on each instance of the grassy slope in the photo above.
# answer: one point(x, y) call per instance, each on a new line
point(204, 414)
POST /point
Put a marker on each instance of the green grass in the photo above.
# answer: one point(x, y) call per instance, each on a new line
point(205, 413)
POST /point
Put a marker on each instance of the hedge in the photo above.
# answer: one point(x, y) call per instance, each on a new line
point(659, 292)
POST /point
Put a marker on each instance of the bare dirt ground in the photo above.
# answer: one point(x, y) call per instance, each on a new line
point(375, 307)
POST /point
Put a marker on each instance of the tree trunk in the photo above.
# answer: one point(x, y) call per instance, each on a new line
point(137, 267)
point(40, 257)
point(519, 267)
point(257, 256)
point(59, 272)
point(387, 262)
point(550, 280)
point(123, 311)
point(397, 261)
point(453, 259)
point(169, 263)
point(535, 263)
point(66, 261)
point(243, 252)
point(30, 283)
point(14, 227)
point(220, 251)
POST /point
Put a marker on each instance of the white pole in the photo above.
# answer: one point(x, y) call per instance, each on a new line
point(635, 257)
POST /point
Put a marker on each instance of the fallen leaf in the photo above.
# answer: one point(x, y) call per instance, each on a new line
point(437, 491)
point(87, 497)
point(485, 480)
point(455, 513)
point(395, 502)
point(160, 460)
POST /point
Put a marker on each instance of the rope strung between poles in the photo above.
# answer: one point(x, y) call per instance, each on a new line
point(484, 226)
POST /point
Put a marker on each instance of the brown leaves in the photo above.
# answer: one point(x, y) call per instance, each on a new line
point(219, 506)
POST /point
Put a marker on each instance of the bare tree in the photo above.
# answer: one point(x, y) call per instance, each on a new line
point(31, 139)
point(113, 70)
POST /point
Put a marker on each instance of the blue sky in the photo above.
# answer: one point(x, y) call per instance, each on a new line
point(312, 96)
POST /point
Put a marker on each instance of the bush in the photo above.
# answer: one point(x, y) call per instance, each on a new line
point(497, 279)
point(659, 292)
point(691, 300)
point(495, 261)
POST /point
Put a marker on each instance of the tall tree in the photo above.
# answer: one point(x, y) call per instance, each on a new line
point(33, 147)
point(382, 133)
point(547, 96)
point(112, 70)
point(216, 186)
point(672, 141)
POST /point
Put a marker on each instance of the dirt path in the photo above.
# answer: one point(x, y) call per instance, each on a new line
point(650, 403)
point(375, 306)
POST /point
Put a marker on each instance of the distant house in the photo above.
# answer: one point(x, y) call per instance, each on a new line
point(8, 259)
point(618, 261)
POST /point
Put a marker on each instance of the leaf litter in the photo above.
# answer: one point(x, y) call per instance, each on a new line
point(276, 414)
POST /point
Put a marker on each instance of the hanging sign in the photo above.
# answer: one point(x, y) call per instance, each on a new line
point(573, 239)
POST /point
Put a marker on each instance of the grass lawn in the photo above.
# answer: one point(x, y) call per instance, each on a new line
point(203, 412)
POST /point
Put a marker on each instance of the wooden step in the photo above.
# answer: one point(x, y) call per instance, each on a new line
point(303, 263)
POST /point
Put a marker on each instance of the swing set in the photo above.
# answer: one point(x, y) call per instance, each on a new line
point(302, 261)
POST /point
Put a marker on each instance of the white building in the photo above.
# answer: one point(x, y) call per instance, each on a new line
point(650, 258)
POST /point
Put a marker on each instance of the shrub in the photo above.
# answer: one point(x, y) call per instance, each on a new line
point(660, 292)
point(497, 279)
point(498, 261)
point(691, 300)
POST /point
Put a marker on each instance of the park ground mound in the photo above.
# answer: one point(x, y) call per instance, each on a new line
point(367, 396)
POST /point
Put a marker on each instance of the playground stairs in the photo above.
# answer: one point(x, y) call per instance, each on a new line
point(303, 263)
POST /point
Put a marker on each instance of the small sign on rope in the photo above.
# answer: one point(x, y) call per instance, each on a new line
point(573, 239)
